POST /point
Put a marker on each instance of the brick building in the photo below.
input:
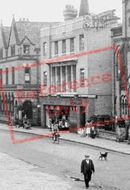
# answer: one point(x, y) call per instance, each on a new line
point(75, 84)
point(19, 68)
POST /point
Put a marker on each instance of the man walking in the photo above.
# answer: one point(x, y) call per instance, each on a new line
point(87, 167)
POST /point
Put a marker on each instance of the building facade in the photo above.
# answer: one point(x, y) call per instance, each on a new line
point(121, 64)
point(19, 69)
point(76, 67)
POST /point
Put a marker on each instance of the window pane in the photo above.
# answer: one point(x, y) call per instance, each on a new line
point(72, 45)
point(6, 75)
point(27, 75)
point(82, 77)
point(81, 42)
point(45, 78)
point(44, 48)
point(63, 46)
point(13, 75)
point(56, 47)
point(26, 49)
point(12, 50)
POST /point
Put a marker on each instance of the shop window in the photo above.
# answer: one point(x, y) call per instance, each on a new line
point(12, 50)
point(82, 77)
point(27, 75)
point(63, 46)
point(72, 45)
point(56, 47)
point(45, 78)
point(81, 42)
point(44, 48)
point(1, 53)
point(26, 49)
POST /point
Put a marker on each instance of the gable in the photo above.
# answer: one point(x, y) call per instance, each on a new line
point(26, 41)
point(12, 39)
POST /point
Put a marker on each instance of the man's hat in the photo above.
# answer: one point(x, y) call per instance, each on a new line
point(87, 156)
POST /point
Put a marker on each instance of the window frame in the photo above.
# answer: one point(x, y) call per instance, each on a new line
point(82, 77)
point(81, 42)
point(27, 74)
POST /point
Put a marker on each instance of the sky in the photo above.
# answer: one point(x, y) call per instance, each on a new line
point(50, 10)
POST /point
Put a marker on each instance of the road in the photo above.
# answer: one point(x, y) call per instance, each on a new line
point(62, 161)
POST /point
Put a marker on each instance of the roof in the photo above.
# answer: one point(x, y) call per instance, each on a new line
point(31, 30)
point(24, 29)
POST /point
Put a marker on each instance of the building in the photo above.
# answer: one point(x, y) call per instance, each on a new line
point(19, 69)
point(75, 84)
point(121, 64)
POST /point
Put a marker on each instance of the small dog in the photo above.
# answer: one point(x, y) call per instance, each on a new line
point(103, 156)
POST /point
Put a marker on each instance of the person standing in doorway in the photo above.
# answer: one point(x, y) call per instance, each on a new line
point(87, 168)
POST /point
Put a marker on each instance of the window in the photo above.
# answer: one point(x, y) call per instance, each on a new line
point(63, 46)
point(72, 45)
point(45, 78)
point(129, 22)
point(26, 49)
point(13, 75)
point(56, 48)
point(44, 48)
point(7, 77)
point(82, 77)
point(12, 50)
point(1, 77)
point(27, 75)
point(81, 42)
point(1, 53)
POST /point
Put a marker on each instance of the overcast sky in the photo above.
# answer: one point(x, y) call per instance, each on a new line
point(49, 10)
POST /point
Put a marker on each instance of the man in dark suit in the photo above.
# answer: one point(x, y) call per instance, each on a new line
point(87, 167)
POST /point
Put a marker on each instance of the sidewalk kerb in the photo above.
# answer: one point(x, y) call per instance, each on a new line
point(72, 141)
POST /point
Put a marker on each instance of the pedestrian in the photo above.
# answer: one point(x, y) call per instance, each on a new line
point(88, 126)
point(87, 167)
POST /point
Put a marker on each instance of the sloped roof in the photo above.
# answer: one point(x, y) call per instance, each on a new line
point(31, 30)
point(5, 35)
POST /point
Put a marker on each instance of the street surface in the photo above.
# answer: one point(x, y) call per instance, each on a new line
point(42, 165)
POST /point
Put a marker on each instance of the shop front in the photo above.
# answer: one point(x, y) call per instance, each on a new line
point(69, 112)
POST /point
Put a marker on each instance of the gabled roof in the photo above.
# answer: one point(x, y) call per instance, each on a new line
point(5, 35)
point(26, 29)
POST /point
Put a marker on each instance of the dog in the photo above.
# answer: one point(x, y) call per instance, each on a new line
point(103, 156)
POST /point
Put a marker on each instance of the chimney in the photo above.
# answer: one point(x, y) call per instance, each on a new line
point(84, 8)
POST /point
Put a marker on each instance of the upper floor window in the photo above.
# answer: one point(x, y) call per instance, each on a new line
point(129, 22)
point(27, 75)
point(26, 49)
point(1, 53)
point(1, 77)
point(81, 42)
point(7, 77)
point(56, 48)
point(44, 48)
point(72, 45)
point(45, 78)
point(63, 46)
point(82, 77)
point(12, 50)
point(13, 75)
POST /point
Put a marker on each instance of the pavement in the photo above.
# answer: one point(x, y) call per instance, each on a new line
point(109, 145)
